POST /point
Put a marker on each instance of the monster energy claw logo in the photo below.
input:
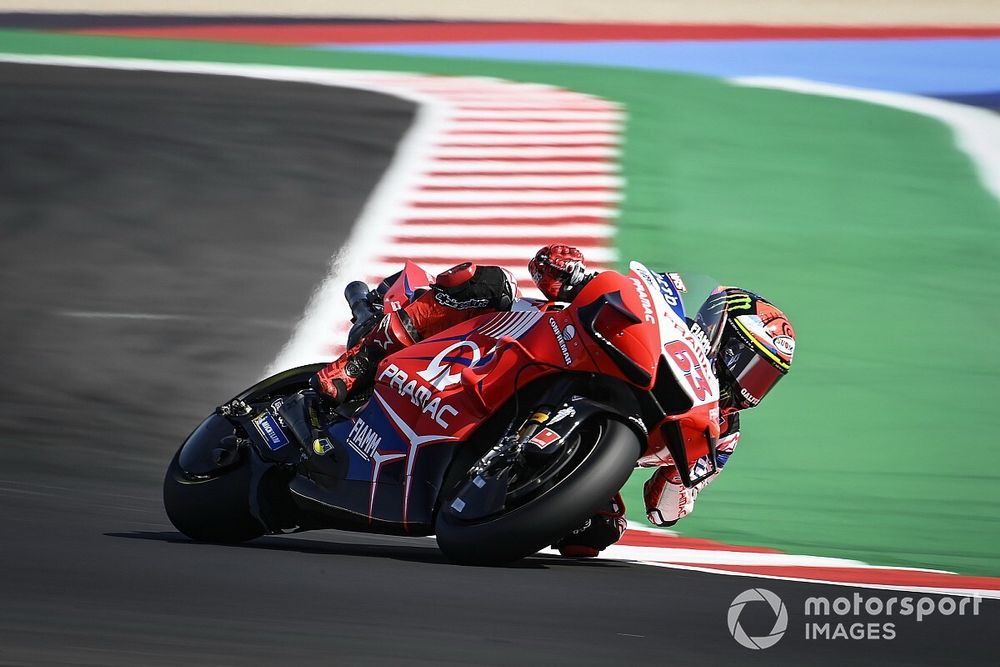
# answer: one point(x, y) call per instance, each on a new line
point(738, 302)
point(730, 302)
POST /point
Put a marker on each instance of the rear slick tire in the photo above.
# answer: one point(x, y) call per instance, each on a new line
point(510, 536)
point(211, 509)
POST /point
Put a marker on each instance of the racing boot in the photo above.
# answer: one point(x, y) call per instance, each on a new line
point(668, 500)
point(355, 369)
point(597, 533)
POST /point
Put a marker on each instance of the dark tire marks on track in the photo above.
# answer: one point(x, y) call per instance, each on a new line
point(216, 203)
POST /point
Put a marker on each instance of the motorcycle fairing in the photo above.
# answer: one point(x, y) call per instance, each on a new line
point(380, 475)
point(428, 398)
point(685, 437)
point(687, 358)
point(435, 394)
point(411, 279)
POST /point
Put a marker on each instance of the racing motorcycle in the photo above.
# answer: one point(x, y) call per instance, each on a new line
point(499, 435)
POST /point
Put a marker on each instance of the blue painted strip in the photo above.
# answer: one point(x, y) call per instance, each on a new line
point(930, 66)
point(989, 100)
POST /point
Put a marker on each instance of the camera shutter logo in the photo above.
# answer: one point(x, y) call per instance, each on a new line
point(776, 606)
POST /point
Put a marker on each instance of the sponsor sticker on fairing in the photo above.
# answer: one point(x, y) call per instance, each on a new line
point(671, 293)
point(364, 439)
point(439, 371)
point(568, 411)
point(561, 341)
point(322, 445)
point(647, 305)
point(678, 282)
point(275, 407)
point(270, 431)
point(419, 395)
point(544, 438)
point(659, 283)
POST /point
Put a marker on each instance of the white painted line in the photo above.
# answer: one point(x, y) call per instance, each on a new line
point(486, 152)
point(480, 212)
point(459, 229)
point(650, 529)
point(956, 592)
point(710, 557)
point(518, 166)
point(977, 131)
point(518, 139)
point(313, 75)
point(520, 196)
point(567, 182)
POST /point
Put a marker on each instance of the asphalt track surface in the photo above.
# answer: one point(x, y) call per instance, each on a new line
point(159, 236)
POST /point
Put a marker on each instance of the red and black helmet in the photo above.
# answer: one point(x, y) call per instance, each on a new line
point(755, 343)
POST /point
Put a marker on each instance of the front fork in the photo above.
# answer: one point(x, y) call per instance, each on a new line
point(522, 442)
point(531, 445)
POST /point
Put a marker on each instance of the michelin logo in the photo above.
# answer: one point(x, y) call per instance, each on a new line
point(270, 431)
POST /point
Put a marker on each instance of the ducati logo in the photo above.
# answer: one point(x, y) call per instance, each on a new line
point(438, 373)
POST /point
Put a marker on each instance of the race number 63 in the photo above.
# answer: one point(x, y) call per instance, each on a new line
point(686, 361)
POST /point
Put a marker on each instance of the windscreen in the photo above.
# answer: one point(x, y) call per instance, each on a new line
point(704, 297)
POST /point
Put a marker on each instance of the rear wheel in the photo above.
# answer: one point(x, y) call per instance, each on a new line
point(207, 488)
point(214, 509)
point(547, 504)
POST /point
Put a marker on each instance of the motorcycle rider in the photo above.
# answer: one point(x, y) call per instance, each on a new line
point(757, 343)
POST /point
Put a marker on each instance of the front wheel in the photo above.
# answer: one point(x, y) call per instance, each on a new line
point(601, 465)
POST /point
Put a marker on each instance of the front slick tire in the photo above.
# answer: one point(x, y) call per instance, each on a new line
point(512, 535)
point(211, 509)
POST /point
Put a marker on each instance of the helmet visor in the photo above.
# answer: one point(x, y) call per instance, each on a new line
point(753, 375)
